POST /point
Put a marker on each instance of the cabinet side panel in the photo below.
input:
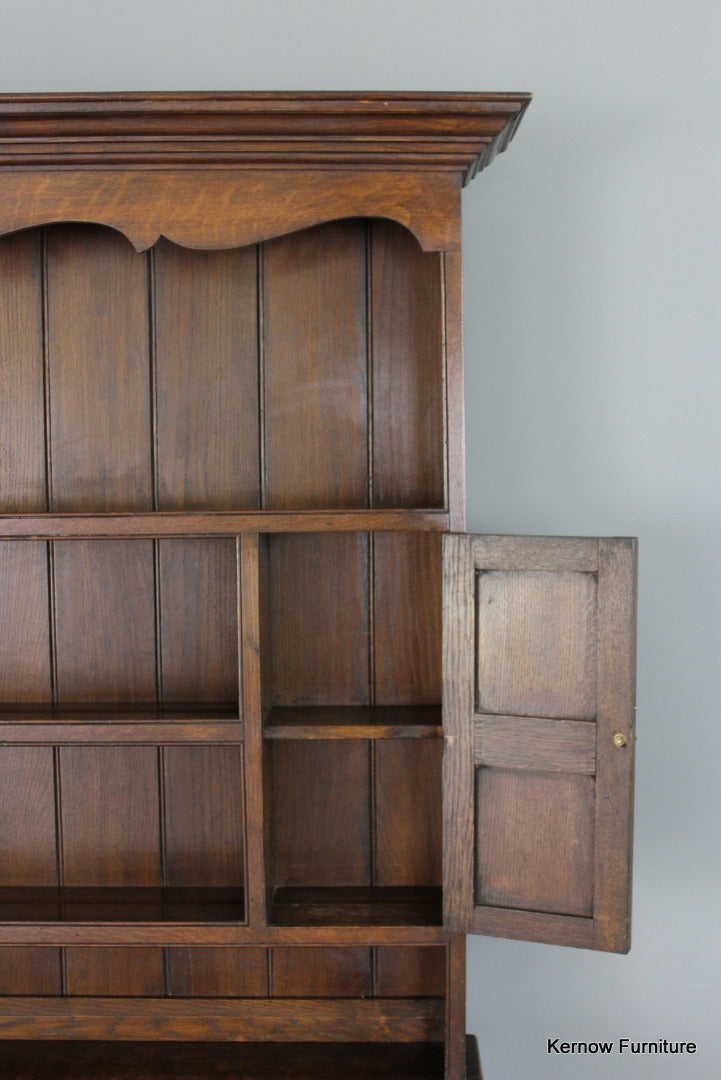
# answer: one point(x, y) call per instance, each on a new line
point(319, 622)
point(105, 620)
point(22, 410)
point(408, 812)
point(204, 815)
point(198, 620)
point(315, 385)
point(99, 371)
point(407, 638)
point(407, 349)
point(25, 618)
point(28, 855)
point(110, 816)
point(206, 330)
point(321, 813)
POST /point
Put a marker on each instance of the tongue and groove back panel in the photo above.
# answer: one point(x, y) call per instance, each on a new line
point(165, 380)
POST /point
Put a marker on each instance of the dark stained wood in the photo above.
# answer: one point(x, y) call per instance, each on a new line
point(545, 790)
point(320, 973)
point(90, 526)
point(316, 440)
point(29, 970)
point(617, 586)
point(105, 619)
point(110, 812)
point(455, 402)
point(517, 742)
point(203, 810)
point(22, 409)
point(114, 972)
point(198, 620)
point(458, 708)
point(319, 594)
point(535, 841)
point(28, 852)
point(536, 643)
point(407, 619)
point(217, 972)
point(206, 396)
point(407, 375)
point(352, 906)
point(25, 674)
point(144, 724)
point(381, 1020)
point(354, 722)
point(210, 209)
point(321, 813)
point(410, 971)
point(237, 1061)
point(408, 829)
point(99, 392)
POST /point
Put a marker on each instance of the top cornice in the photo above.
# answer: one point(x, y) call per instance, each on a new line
point(450, 132)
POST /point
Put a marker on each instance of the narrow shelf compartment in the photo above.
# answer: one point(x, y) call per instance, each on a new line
point(355, 722)
point(121, 905)
point(223, 1061)
point(185, 722)
point(357, 906)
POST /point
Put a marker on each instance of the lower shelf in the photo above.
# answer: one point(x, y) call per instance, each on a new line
point(377, 906)
point(198, 1061)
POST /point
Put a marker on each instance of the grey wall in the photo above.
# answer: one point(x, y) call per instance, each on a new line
point(593, 266)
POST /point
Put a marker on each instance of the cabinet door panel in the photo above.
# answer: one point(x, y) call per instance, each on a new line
point(538, 658)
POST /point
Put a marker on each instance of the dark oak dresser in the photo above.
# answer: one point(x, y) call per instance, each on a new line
point(275, 733)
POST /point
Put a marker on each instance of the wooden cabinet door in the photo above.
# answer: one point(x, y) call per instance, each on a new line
point(538, 700)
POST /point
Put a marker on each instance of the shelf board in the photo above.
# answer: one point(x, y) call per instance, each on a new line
point(355, 722)
point(100, 905)
point(186, 722)
point(356, 906)
point(160, 523)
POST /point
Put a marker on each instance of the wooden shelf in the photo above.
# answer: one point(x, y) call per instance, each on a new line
point(356, 906)
point(120, 724)
point(89, 526)
point(355, 722)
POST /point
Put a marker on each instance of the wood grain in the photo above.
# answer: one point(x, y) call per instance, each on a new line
point(207, 379)
point(406, 343)
point(99, 371)
point(321, 813)
point(217, 972)
point(29, 971)
point(203, 802)
point(319, 594)
point(408, 813)
point(516, 742)
point(28, 853)
point(407, 619)
point(410, 971)
point(105, 620)
point(114, 972)
point(110, 815)
point(322, 973)
point(316, 436)
point(22, 407)
point(198, 620)
point(25, 673)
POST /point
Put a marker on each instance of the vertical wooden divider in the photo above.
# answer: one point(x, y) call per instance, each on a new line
point(454, 433)
point(250, 573)
point(455, 1022)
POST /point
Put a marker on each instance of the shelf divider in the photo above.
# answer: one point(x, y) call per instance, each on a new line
point(355, 722)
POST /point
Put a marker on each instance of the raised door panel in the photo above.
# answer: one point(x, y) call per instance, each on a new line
point(539, 638)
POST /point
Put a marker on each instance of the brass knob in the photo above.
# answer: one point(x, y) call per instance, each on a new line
point(619, 740)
